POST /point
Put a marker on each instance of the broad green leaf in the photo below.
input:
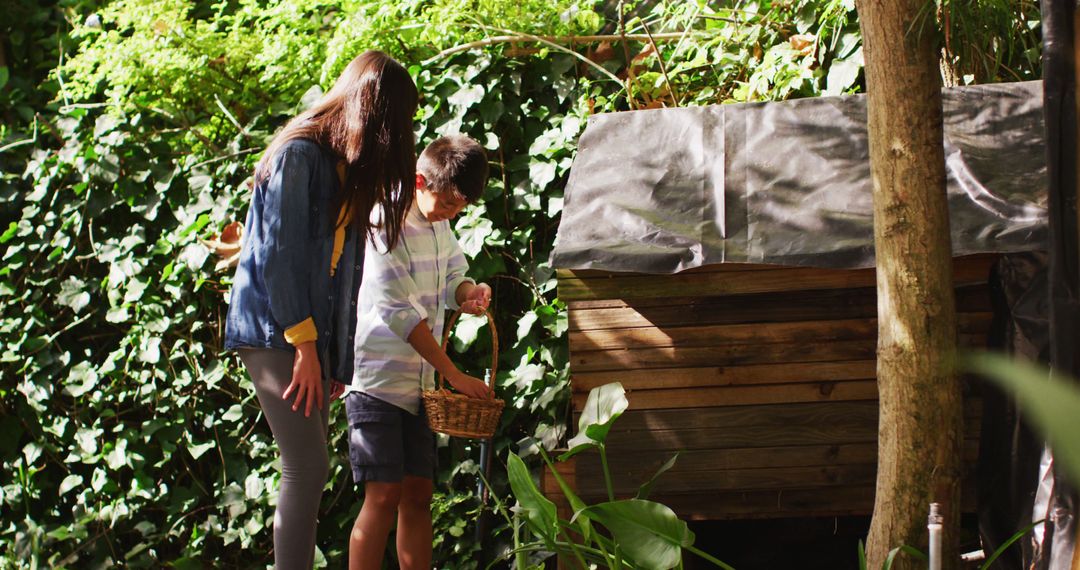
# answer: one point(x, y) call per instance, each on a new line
point(539, 511)
point(603, 406)
point(579, 519)
point(649, 533)
point(1051, 402)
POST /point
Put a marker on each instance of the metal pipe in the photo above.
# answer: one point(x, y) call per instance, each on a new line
point(934, 524)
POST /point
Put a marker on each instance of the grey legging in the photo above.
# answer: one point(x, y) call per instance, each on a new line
point(304, 459)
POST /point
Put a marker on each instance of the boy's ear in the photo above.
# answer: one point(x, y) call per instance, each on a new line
point(420, 181)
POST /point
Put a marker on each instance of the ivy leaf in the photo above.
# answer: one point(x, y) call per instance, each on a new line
point(842, 74)
point(151, 351)
point(194, 255)
point(234, 413)
point(466, 330)
point(82, 378)
point(87, 440)
point(117, 457)
point(69, 483)
point(473, 236)
point(467, 96)
point(72, 294)
point(524, 375)
point(253, 486)
point(541, 173)
point(198, 449)
point(525, 324)
point(31, 452)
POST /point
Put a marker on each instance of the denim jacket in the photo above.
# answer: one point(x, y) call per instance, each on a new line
point(283, 276)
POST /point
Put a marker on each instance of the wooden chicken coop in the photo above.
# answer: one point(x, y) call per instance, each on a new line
point(762, 377)
point(718, 262)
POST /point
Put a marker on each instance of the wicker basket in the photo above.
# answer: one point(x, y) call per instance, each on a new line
point(458, 415)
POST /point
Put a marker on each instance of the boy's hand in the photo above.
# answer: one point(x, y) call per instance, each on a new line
point(477, 299)
point(336, 390)
point(470, 386)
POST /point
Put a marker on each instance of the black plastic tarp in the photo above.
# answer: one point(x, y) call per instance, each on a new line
point(660, 191)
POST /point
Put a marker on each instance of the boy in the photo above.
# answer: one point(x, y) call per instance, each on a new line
point(400, 314)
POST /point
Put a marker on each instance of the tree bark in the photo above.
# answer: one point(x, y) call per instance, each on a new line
point(921, 423)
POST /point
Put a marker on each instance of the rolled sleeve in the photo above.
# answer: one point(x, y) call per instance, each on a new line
point(395, 295)
point(301, 333)
point(286, 246)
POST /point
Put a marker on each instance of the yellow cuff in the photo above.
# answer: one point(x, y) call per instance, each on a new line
point(301, 333)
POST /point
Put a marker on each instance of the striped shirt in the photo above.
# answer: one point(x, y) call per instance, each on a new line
point(416, 280)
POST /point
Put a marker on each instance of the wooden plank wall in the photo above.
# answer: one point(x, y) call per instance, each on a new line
point(762, 376)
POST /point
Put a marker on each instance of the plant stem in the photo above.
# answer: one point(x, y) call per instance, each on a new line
point(663, 68)
point(519, 555)
point(708, 557)
point(574, 548)
point(558, 47)
point(607, 472)
point(492, 40)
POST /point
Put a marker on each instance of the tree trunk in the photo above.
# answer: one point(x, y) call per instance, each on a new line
point(920, 426)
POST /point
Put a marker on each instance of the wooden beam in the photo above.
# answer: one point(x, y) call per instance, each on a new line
point(841, 414)
point(691, 357)
point(643, 464)
point(726, 375)
point(705, 482)
point(972, 269)
point(750, 333)
point(977, 292)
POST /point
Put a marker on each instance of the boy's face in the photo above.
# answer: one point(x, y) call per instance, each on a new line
point(436, 206)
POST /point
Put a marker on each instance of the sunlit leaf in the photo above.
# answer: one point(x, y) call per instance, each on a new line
point(649, 533)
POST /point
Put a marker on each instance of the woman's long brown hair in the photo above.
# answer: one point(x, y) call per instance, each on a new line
point(366, 119)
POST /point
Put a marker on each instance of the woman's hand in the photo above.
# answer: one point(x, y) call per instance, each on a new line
point(477, 299)
point(306, 379)
point(470, 386)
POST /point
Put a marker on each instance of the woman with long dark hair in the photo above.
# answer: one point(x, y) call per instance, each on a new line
point(292, 313)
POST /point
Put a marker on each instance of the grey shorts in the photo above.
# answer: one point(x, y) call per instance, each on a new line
point(386, 443)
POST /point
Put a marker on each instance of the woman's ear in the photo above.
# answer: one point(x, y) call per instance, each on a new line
point(421, 182)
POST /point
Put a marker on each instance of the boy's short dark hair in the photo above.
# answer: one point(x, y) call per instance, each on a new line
point(455, 163)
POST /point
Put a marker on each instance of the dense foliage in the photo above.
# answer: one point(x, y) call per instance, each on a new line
point(130, 128)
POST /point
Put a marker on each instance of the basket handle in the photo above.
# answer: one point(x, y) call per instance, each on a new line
point(494, 344)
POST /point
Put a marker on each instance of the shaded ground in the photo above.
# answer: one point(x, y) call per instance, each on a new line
point(804, 543)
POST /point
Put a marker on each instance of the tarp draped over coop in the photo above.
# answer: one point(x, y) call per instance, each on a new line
point(661, 191)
